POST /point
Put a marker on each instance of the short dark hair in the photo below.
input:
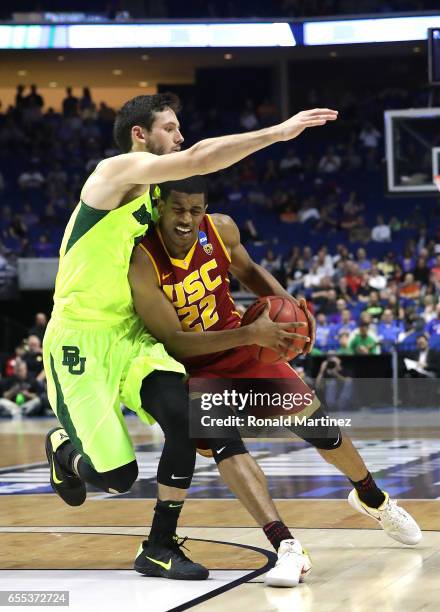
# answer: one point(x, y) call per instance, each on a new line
point(140, 111)
point(191, 185)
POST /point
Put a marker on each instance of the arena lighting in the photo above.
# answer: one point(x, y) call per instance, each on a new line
point(354, 31)
point(143, 35)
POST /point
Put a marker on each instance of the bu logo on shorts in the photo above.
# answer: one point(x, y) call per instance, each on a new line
point(72, 359)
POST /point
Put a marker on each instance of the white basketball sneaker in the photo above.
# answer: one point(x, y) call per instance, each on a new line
point(292, 565)
point(394, 520)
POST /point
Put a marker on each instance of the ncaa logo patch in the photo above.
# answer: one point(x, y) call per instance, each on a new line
point(203, 238)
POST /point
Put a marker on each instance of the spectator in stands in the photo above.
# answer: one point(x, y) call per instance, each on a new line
point(352, 161)
point(395, 224)
point(87, 107)
point(359, 232)
point(33, 357)
point(322, 331)
point(344, 343)
point(20, 393)
point(388, 330)
point(364, 289)
point(433, 327)
point(374, 307)
point(308, 211)
point(312, 280)
point(45, 248)
point(271, 172)
point(11, 362)
point(435, 270)
point(324, 297)
point(20, 99)
point(424, 362)
point(363, 343)
point(34, 100)
point(57, 175)
point(271, 263)
point(31, 178)
point(267, 112)
point(328, 218)
point(409, 288)
point(381, 232)
point(408, 335)
point(352, 277)
point(369, 136)
point(289, 215)
point(248, 118)
point(325, 262)
point(290, 162)
point(28, 216)
point(347, 323)
point(330, 162)
point(307, 257)
point(428, 309)
point(388, 265)
point(249, 232)
point(39, 327)
point(342, 254)
point(17, 228)
point(350, 216)
point(341, 306)
point(70, 104)
point(361, 259)
point(344, 291)
point(376, 279)
point(421, 272)
point(296, 274)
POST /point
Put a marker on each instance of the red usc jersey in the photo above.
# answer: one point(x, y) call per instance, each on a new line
point(197, 286)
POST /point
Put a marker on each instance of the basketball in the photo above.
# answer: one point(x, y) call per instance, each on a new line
point(282, 310)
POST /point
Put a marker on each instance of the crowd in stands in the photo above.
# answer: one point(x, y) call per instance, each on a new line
point(23, 382)
point(315, 217)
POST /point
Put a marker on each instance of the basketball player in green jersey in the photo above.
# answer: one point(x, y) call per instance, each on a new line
point(97, 353)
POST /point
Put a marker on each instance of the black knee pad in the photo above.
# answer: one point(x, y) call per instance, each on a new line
point(121, 479)
point(323, 436)
point(223, 448)
point(165, 396)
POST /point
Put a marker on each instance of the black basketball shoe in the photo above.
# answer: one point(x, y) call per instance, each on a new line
point(67, 485)
point(167, 560)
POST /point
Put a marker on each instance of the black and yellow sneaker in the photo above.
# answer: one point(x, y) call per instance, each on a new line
point(167, 560)
point(67, 485)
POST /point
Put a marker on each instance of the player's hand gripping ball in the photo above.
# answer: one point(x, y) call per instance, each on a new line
point(282, 310)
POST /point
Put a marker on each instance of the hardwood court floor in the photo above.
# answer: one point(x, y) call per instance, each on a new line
point(90, 550)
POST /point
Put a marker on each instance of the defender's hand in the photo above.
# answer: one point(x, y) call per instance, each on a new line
point(294, 126)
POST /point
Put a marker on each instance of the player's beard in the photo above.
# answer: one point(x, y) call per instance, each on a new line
point(156, 149)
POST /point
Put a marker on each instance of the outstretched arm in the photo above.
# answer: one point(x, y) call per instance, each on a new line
point(161, 320)
point(121, 172)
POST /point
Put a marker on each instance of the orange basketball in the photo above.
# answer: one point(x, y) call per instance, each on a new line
point(282, 310)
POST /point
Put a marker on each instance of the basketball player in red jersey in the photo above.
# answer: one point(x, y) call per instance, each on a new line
point(179, 280)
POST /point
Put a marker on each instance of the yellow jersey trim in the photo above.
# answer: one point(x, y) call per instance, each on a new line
point(152, 261)
point(179, 263)
point(219, 237)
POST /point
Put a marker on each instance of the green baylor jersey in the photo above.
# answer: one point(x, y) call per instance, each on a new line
point(92, 287)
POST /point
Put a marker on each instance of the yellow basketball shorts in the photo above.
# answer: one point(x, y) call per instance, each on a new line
point(90, 371)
